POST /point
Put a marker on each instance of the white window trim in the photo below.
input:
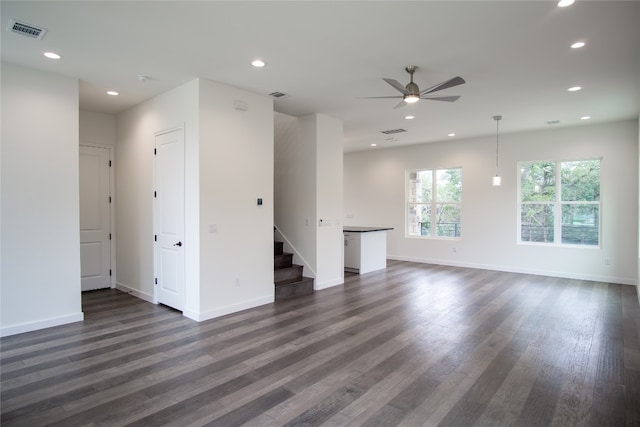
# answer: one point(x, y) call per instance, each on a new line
point(433, 203)
point(557, 214)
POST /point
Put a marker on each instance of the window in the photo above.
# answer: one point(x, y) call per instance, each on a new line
point(434, 202)
point(560, 202)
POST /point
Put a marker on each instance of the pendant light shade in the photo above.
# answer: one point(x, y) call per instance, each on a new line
point(497, 181)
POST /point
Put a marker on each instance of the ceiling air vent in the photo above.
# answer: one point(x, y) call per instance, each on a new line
point(26, 30)
point(553, 122)
point(278, 95)
point(392, 131)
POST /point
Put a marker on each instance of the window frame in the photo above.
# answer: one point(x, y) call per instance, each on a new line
point(557, 205)
point(433, 203)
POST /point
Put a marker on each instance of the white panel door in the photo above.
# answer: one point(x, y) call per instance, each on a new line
point(169, 218)
point(95, 222)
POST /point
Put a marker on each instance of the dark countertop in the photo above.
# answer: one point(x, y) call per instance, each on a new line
point(354, 229)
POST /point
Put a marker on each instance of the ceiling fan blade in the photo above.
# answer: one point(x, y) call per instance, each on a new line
point(441, 98)
point(396, 85)
point(444, 85)
point(380, 97)
point(400, 105)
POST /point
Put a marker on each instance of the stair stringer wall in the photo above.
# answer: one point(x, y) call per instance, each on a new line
point(295, 187)
point(297, 256)
point(308, 188)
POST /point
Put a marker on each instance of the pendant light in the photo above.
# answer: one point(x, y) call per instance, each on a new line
point(497, 181)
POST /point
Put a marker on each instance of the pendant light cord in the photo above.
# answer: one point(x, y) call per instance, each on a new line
point(497, 119)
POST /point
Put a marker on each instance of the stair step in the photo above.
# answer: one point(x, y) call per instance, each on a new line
point(294, 288)
point(287, 276)
point(278, 248)
point(287, 273)
point(282, 260)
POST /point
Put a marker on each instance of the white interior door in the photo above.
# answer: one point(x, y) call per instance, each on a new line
point(95, 221)
point(169, 218)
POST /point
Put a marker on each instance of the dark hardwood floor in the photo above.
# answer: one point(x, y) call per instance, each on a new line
point(413, 345)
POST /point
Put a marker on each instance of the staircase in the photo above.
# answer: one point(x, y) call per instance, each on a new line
point(288, 276)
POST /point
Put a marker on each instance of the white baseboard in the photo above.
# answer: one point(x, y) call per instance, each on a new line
point(136, 293)
point(562, 274)
point(328, 284)
point(193, 315)
point(5, 331)
point(234, 308)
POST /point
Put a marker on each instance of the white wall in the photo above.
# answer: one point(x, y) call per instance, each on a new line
point(295, 185)
point(329, 166)
point(97, 129)
point(40, 266)
point(134, 190)
point(308, 188)
point(228, 166)
point(374, 194)
point(236, 168)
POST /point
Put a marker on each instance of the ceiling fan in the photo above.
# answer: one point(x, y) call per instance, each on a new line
point(411, 93)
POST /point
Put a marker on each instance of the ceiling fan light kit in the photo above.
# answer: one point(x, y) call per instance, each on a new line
point(411, 92)
point(410, 99)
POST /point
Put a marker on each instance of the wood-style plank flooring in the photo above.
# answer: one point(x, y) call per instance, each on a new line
point(412, 345)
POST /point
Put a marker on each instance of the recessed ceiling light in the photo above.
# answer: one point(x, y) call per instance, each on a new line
point(374, 145)
point(452, 134)
point(112, 93)
point(258, 63)
point(577, 45)
point(585, 117)
point(52, 55)
point(565, 3)
point(409, 117)
point(574, 88)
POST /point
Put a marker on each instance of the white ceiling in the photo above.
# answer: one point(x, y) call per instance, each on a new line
point(514, 55)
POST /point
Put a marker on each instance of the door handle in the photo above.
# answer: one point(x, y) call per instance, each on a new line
point(177, 244)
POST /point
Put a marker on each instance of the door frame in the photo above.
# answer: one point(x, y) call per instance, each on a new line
point(154, 205)
point(112, 208)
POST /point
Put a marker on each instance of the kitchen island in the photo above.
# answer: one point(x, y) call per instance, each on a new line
point(365, 248)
